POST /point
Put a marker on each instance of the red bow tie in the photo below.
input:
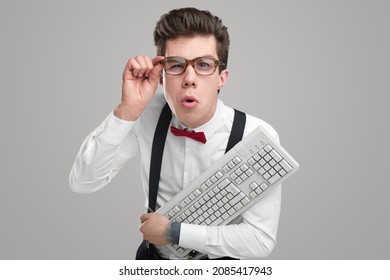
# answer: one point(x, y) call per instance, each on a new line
point(198, 136)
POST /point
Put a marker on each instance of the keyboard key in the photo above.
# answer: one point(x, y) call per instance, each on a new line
point(238, 206)
point(214, 179)
point(253, 185)
point(285, 165)
point(249, 172)
point(182, 204)
point(263, 186)
point(272, 162)
point(274, 154)
point(245, 200)
point(274, 178)
point(233, 176)
point(253, 194)
point(268, 148)
point(262, 153)
point(190, 219)
point(219, 175)
point(237, 198)
point(197, 192)
point(251, 161)
point(224, 183)
point(219, 221)
point(238, 181)
point(232, 189)
point(258, 190)
point(244, 167)
point(244, 177)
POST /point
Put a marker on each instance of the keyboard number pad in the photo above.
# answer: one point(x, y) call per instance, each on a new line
point(270, 164)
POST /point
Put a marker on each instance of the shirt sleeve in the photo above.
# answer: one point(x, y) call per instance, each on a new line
point(254, 237)
point(103, 154)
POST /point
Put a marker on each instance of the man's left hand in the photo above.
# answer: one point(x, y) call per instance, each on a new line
point(154, 227)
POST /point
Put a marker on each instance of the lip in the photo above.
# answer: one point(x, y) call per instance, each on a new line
point(189, 101)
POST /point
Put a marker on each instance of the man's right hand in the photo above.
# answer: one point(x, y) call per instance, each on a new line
point(139, 83)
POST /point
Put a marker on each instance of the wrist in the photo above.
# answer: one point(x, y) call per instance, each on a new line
point(125, 114)
point(172, 232)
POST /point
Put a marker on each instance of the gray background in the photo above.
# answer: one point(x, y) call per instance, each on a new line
point(318, 71)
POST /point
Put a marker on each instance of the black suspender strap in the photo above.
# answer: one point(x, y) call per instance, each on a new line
point(159, 138)
point(237, 129)
point(158, 144)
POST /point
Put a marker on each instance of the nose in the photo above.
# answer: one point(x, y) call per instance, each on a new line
point(189, 78)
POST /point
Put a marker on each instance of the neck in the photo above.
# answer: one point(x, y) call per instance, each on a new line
point(195, 125)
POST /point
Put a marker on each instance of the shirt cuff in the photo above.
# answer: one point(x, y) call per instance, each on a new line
point(193, 236)
point(115, 130)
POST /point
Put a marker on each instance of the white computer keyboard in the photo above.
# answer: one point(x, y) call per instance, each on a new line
point(232, 184)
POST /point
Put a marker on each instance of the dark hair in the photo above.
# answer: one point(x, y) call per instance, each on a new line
point(190, 22)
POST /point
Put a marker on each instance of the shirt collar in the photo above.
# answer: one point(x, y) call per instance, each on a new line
point(208, 128)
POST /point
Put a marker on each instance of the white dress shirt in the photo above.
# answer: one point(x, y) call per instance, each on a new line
point(107, 148)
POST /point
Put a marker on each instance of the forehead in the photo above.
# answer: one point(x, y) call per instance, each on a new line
point(191, 47)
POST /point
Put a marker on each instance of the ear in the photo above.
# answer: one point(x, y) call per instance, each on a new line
point(223, 77)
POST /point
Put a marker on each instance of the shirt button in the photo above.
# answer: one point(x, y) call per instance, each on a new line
point(187, 177)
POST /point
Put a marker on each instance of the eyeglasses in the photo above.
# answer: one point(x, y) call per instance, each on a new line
point(204, 66)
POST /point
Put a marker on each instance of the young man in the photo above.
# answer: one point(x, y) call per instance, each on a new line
point(192, 54)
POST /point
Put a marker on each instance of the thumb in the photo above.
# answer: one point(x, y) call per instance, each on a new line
point(144, 217)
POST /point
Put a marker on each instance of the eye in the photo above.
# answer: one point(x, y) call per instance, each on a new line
point(174, 64)
point(204, 63)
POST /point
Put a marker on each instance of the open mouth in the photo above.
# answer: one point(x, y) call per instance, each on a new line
point(189, 101)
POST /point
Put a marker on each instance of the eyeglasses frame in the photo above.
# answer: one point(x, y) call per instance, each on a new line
point(217, 63)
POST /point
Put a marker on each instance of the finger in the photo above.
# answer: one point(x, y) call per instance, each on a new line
point(154, 75)
point(132, 68)
point(144, 218)
point(157, 59)
point(149, 66)
point(143, 65)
